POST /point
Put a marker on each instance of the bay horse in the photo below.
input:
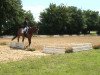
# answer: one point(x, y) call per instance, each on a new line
point(29, 34)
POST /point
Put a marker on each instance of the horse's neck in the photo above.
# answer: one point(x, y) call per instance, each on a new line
point(31, 30)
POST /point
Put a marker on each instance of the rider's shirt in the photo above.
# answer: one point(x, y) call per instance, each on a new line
point(26, 23)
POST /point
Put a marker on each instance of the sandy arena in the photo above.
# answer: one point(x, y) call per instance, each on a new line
point(7, 53)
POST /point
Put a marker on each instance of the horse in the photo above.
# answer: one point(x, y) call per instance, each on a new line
point(28, 35)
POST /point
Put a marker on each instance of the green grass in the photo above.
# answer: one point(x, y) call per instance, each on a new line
point(80, 63)
point(93, 33)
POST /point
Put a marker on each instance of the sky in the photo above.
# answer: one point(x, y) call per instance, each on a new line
point(37, 6)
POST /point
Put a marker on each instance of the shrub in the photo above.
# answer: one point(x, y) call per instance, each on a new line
point(3, 43)
point(96, 46)
point(69, 50)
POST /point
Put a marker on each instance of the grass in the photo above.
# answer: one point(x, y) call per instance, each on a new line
point(93, 33)
point(80, 63)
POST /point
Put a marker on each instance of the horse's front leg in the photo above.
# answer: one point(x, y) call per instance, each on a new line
point(29, 40)
point(23, 38)
point(18, 38)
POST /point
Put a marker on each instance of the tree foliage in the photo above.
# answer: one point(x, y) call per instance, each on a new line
point(29, 15)
point(61, 20)
point(55, 19)
point(12, 15)
point(10, 12)
point(98, 26)
point(90, 19)
point(68, 20)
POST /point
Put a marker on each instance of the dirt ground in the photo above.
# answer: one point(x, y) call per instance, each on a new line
point(7, 53)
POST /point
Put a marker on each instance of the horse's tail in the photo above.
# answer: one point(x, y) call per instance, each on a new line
point(14, 37)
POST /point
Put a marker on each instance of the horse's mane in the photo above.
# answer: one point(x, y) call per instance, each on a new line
point(33, 29)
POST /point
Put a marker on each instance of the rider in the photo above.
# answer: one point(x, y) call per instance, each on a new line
point(26, 25)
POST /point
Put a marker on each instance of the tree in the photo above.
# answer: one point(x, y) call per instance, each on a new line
point(98, 26)
point(29, 15)
point(12, 16)
point(47, 20)
point(61, 20)
point(90, 19)
point(75, 21)
point(10, 11)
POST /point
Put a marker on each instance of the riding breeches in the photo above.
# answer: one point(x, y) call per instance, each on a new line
point(25, 29)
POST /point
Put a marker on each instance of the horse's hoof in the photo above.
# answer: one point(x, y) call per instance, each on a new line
point(26, 46)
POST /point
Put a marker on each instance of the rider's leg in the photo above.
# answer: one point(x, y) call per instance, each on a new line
point(26, 29)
